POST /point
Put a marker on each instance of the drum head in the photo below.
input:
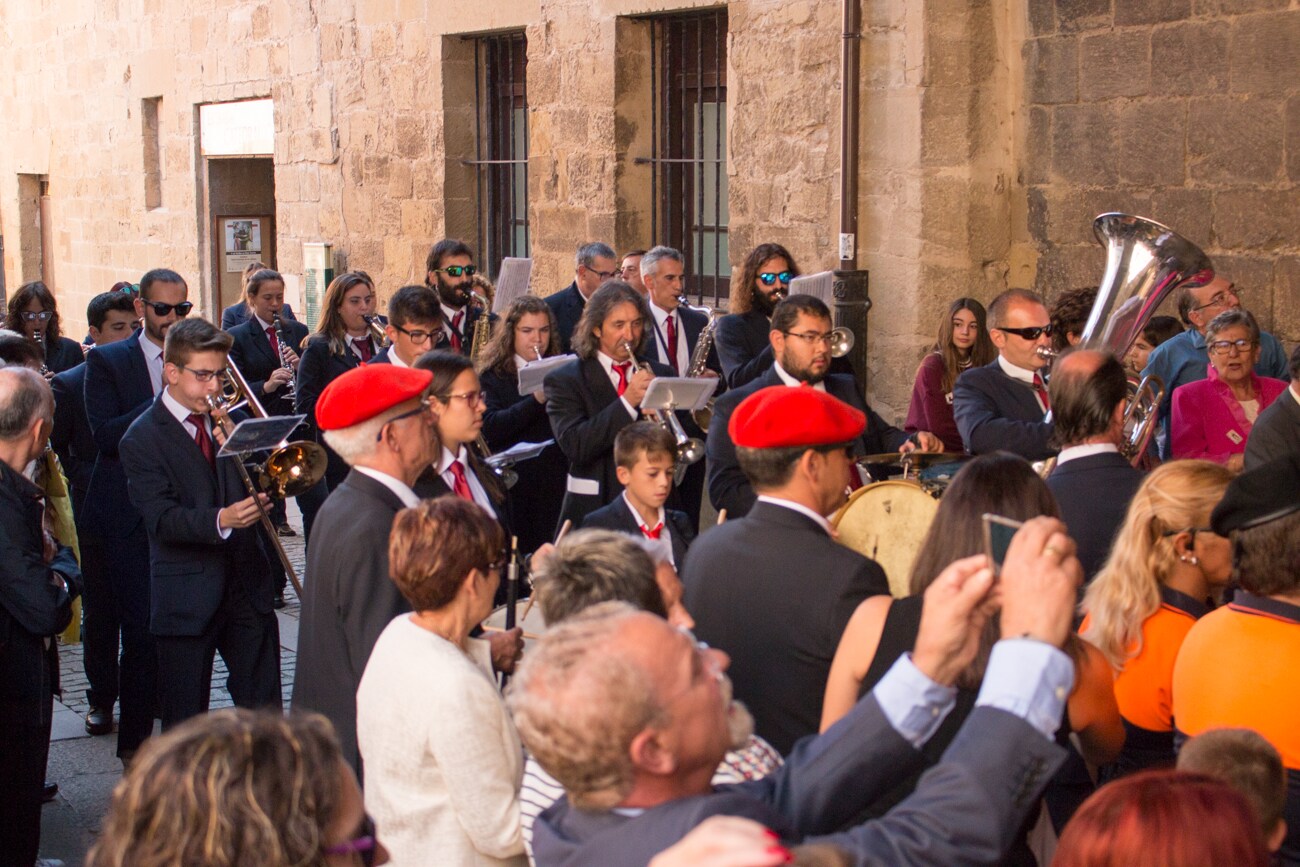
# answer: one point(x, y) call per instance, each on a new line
point(887, 521)
point(533, 622)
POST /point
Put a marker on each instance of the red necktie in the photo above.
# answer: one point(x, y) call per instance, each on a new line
point(455, 329)
point(202, 439)
point(1042, 392)
point(460, 485)
point(650, 533)
point(275, 341)
point(363, 347)
point(671, 324)
point(621, 370)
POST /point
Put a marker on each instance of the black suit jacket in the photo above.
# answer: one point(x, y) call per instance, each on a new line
point(617, 516)
point(1276, 432)
point(71, 437)
point(567, 305)
point(744, 349)
point(1093, 493)
point(729, 487)
point(347, 601)
point(586, 414)
point(179, 495)
point(63, 354)
point(965, 811)
point(31, 608)
point(118, 390)
point(997, 413)
point(237, 314)
point(256, 360)
point(693, 322)
point(317, 368)
point(775, 591)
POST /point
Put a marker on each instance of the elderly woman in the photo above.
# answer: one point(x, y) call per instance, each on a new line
point(1212, 418)
point(239, 787)
point(442, 760)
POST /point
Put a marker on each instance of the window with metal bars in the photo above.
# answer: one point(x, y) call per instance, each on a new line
point(501, 146)
point(689, 57)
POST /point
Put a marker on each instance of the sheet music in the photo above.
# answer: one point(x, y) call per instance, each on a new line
point(512, 281)
point(684, 393)
point(820, 285)
point(532, 374)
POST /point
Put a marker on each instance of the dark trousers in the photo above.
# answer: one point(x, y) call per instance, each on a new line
point(24, 748)
point(100, 626)
point(248, 642)
point(127, 567)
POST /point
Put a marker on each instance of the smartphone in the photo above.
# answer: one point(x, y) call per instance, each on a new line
point(998, 532)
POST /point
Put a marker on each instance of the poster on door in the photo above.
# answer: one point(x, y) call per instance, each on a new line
point(243, 242)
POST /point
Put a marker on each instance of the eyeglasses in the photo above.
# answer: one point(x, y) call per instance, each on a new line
point(1220, 298)
point(1192, 530)
point(422, 408)
point(813, 338)
point(771, 278)
point(1029, 333)
point(604, 275)
point(161, 309)
point(200, 375)
point(37, 317)
point(1225, 347)
point(417, 336)
point(457, 270)
point(364, 844)
point(470, 397)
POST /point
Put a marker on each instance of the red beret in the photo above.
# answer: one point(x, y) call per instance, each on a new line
point(366, 391)
point(782, 416)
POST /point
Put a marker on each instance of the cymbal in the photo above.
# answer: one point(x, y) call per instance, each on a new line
point(916, 460)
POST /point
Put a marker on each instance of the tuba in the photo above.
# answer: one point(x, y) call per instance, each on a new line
point(1145, 262)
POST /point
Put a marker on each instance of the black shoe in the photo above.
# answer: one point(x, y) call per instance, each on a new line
point(49, 792)
point(99, 721)
point(278, 602)
point(285, 530)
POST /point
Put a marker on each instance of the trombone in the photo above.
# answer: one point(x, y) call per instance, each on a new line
point(290, 470)
point(689, 449)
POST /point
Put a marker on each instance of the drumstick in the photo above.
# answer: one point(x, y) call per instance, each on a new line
point(722, 516)
point(530, 636)
point(564, 528)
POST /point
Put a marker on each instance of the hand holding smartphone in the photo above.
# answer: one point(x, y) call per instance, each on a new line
point(998, 532)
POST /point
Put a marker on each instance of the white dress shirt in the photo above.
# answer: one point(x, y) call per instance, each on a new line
point(395, 359)
point(397, 486)
point(791, 381)
point(182, 414)
point(665, 535)
point(800, 508)
point(608, 363)
point(475, 488)
point(1084, 451)
point(348, 338)
point(661, 317)
point(1026, 376)
point(153, 359)
point(448, 314)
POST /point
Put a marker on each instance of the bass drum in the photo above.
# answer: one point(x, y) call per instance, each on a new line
point(887, 521)
point(528, 616)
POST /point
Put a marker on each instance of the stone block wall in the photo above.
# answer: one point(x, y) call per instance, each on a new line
point(1187, 111)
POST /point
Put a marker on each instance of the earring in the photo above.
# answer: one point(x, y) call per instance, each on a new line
point(1190, 559)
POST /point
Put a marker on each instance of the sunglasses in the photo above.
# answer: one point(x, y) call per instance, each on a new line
point(36, 317)
point(770, 278)
point(161, 309)
point(364, 844)
point(457, 270)
point(1029, 333)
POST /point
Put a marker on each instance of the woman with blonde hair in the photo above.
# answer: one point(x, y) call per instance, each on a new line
point(1165, 564)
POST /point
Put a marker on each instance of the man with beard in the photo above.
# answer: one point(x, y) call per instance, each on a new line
point(741, 337)
point(595, 263)
point(800, 342)
point(122, 380)
point(450, 269)
point(588, 567)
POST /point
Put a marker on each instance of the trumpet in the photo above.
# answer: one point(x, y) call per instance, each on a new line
point(690, 450)
point(376, 330)
point(842, 341)
point(503, 471)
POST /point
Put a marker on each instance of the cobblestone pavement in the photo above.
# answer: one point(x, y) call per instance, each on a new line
point(86, 768)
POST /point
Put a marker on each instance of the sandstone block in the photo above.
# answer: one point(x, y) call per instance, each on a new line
point(1116, 63)
point(1051, 69)
point(1036, 167)
point(1293, 138)
point(411, 136)
point(1188, 212)
point(945, 126)
point(1286, 312)
point(1234, 141)
point(1042, 17)
point(1264, 52)
point(1084, 144)
point(1151, 11)
point(1201, 8)
point(1062, 268)
point(1075, 15)
point(1190, 58)
point(1152, 135)
point(1256, 219)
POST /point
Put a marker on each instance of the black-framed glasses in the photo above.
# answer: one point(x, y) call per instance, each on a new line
point(1220, 298)
point(771, 278)
point(457, 270)
point(1225, 347)
point(42, 316)
point(604, 275)
point(1029, 333)
point(201, 375)
point(417, 336)
point(813, 338)
point(161, 309)
point(364, 844)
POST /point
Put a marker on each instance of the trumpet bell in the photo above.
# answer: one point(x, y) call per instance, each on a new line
point(292, 470)
point(703, 417)
point(690, 451)
point(842, 341)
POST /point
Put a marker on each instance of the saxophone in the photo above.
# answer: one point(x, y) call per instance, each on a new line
point(699, 363)
point(482, 328)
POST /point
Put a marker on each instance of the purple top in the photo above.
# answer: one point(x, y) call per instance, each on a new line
point(931, 407)
point(1207, 420)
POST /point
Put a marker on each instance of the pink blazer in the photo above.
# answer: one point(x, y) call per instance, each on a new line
point(1207, 421)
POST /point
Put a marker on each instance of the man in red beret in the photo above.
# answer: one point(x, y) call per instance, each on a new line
point(378, 420)
point(774, 589)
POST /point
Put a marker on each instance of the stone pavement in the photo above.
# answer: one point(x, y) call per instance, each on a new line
point(87, 768)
